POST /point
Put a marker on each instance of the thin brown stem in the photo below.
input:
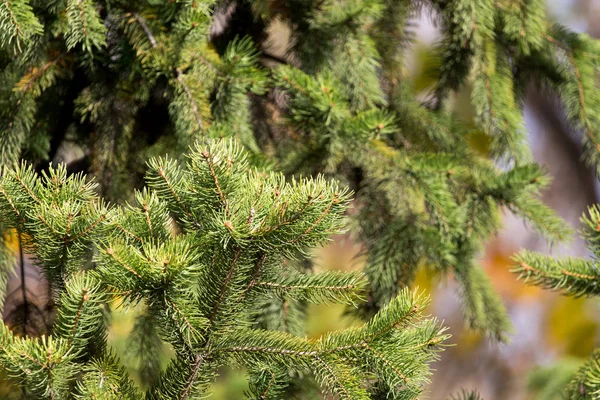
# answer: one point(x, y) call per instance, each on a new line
point(224, 285)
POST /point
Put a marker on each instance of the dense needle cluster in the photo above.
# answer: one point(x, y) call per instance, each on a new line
point(200, 249)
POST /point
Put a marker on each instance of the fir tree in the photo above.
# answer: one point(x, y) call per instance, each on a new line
point(339, 102)
point(127, 80)
point(199, 248)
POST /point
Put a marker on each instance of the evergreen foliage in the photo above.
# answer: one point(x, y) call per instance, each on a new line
point(575, 277)
point(200, 249)
point(124, 81)
point(339, 102)
point(549, 383)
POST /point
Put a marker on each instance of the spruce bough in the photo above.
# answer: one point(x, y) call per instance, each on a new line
point(573, 276)
point(199, 249)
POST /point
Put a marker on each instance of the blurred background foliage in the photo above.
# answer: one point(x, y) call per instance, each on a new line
point(552, 334)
